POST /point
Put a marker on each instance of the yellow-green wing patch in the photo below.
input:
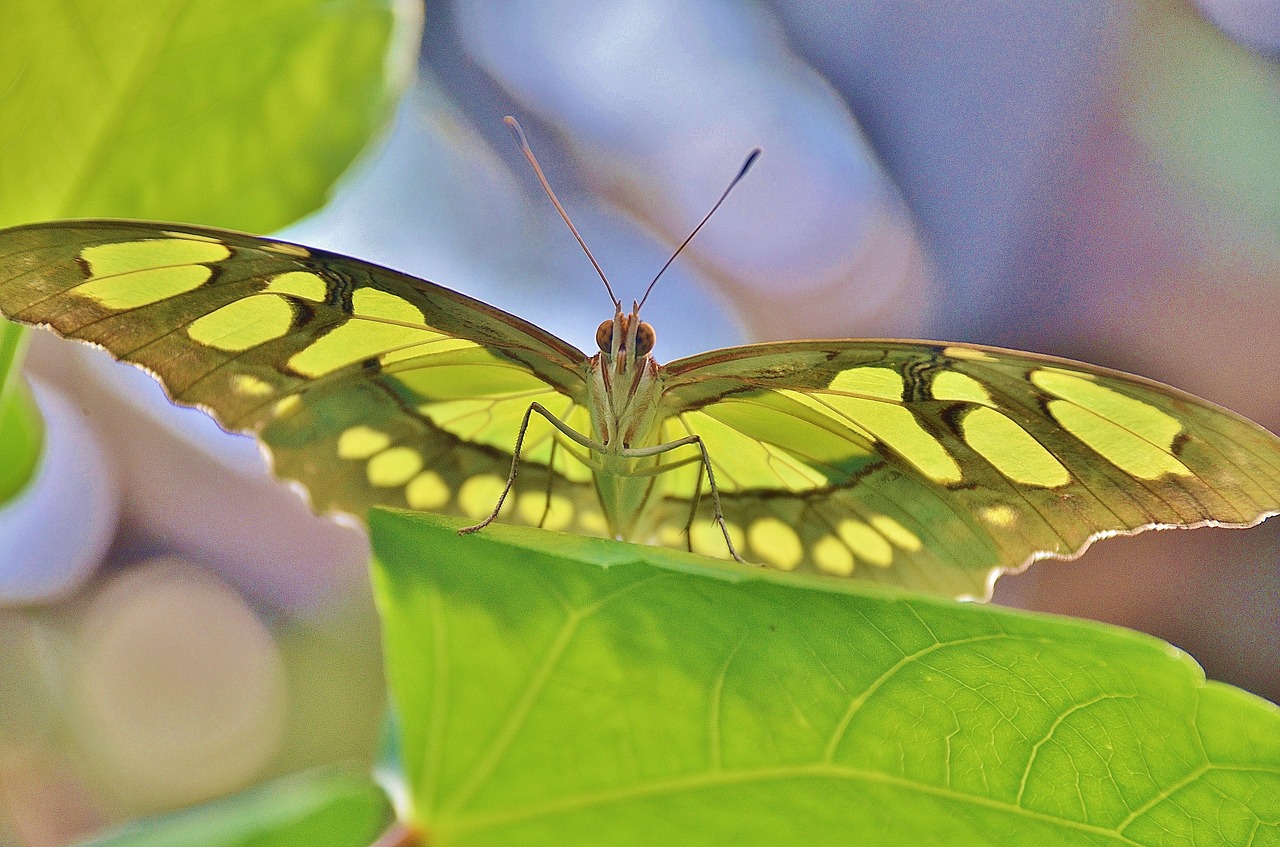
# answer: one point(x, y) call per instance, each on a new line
point(371, 386)
point(374, 441)
point(937, 467)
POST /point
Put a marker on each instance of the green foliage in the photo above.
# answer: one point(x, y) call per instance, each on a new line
point(21, 430)
point(561, 690)
point(238, 114)
point(316, 809)
point(234, 113)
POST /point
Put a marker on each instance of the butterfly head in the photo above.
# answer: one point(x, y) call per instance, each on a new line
point(626, 336)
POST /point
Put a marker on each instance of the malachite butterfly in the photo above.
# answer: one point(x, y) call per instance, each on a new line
point(922, 464)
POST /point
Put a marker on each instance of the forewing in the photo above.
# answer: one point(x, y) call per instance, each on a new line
point(940, 466)
point(368, 386)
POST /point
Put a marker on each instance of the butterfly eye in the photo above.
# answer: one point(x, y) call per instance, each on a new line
point(604, 336)
point(645, 339)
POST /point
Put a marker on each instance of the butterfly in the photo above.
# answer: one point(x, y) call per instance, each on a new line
point(923, 464)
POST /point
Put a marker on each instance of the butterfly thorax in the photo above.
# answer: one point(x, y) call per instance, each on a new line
point(623, 393)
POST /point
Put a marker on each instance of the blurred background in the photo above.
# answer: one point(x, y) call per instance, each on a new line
point(1099, 180)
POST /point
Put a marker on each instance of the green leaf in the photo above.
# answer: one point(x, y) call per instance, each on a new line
point(561, 690)
point(235, 113)
point(21, 429)
point(314, 809)
point(240, 114)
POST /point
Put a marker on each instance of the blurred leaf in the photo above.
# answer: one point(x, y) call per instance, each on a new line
point(238, 114)
point(315, 809)
point(21, 428)
point(334, 665)
point(562, 690)
point(1208, 111)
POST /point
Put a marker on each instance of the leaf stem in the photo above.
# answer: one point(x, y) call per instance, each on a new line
point(399, 835)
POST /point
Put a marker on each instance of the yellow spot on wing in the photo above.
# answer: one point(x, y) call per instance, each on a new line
point(758, 445)
point(897, 534)
point(593, 523)
point(394, 466)
point(953, 385)
point(449, 372)
point(957, 352)
point(788, 473)
point(1118, 445)
point(671, 535)
point(884, 383)
point(1001, 516)
point(896, 426)
point(361, 442)
point(191, 236)
point(480, 494)
point(243, 324)
point(286, 249)
point(129, 290)
point(775, 543)
point(355, 341)
point(832, 556)
point(1142, 419)
point(427, 491)
point(250, 385)
point(554, 512)
point(123, 257)
point(709, 540)
point(439, 347)
point(302, 284)
point(287, 405)
point(865, 542)
point(375, 303)
point(1011, 449)
point(485, 421)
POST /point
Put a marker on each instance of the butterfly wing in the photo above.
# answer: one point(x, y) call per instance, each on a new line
point(911, 463)
point(369, 386)
point(940, 466)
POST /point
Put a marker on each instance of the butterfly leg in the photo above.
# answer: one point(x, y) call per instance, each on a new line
point(515, 457)
point(711, 479)
point(693, 509)
point(551, 477)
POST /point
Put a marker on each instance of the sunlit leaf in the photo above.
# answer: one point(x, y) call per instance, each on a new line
point(233, 113)
point(560, 690)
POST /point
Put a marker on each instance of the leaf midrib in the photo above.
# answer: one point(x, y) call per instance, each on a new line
point(458, 827)
point(717, 779)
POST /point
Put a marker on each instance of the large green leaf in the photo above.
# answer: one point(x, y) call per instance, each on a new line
point(562, 690)
point(234, 113)
point(315, 809)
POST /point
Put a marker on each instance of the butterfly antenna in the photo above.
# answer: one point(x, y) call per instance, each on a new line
point(546, 186)
point(746, 166)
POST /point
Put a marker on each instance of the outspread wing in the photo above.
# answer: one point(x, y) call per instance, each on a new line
point(939, 466)
point(367, 385)
point(914, 463)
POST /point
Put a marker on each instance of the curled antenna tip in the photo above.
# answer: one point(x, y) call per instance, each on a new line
point(746, 166)
point(516, 130)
